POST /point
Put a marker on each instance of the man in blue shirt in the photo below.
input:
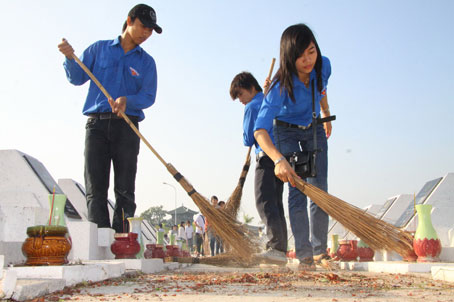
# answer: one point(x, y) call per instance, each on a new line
point(268, 188)
point(129, 74)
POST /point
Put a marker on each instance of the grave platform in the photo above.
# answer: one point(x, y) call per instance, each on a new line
point(35, 281)
point(393, 267)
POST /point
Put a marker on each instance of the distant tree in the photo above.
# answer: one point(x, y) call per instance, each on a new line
point(247, 219)
point(155, 216)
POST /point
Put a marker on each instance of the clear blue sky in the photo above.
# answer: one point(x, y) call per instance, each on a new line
point(391, 89)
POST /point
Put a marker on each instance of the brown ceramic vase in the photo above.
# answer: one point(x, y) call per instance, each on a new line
point(46, 245)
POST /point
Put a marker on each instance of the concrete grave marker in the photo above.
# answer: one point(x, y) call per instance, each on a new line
point(421, 197)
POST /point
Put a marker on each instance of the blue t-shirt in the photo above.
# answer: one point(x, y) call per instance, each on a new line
point(132, 74)
point(251, 111)
point(281, 107)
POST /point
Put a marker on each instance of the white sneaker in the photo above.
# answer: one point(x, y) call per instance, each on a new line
point(272, 256)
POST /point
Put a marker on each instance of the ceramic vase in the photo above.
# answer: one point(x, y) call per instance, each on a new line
point(125, 246)
point(426, 243)
point(365, 253)
point(347, 250)
point(57, 209)
point(334, 246)
point(46, 245)
point(135, 224)
point(160, 237)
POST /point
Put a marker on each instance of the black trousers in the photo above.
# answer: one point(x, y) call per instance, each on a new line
point(199, 242)
point(110, 141)
point(268, 200)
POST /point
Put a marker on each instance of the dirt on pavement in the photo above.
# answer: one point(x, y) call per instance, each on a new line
point(263, 284)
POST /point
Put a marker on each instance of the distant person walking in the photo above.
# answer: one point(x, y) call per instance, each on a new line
point(189, 235)
point(199, 221)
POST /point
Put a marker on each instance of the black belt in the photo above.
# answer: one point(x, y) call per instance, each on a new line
point(109, 116)
point(288, 125)
point(319, 121)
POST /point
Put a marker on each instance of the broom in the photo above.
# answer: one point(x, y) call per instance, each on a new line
point(377, 233)
point(224, 225)
point(233, 203)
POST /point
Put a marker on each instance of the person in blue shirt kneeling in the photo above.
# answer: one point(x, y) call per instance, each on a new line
point(268, 188)
point(128, 73)
point(287, 112)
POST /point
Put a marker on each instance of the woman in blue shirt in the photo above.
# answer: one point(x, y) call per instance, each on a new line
point(289, 104)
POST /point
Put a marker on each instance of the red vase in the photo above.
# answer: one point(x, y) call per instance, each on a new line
point(125, 246)
point(347, 250)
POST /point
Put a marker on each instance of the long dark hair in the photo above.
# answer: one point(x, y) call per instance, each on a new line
point(295, 39)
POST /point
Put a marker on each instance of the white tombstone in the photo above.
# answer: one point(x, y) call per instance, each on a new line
point(442, 200)
point(25, 185)
point(399, 204)
point(94, 250)
point(421, 197)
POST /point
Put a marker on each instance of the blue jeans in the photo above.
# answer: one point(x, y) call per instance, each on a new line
point(310, 233)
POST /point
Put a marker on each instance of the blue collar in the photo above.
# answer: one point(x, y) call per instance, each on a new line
point(117, 41)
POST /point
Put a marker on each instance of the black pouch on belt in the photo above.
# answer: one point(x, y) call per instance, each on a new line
point(303, 162)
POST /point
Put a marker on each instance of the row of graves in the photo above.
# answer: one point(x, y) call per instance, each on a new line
point(436, 197)
point(45, 233)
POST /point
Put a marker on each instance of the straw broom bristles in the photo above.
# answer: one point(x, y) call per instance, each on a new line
point(228, 259)
point(377, 233)
point(223, 224)
point(233, 203)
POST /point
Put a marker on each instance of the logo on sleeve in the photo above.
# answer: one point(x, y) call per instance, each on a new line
point(323, 92)
point(134, 72)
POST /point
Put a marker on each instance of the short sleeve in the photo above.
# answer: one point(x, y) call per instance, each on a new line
point(326, 72)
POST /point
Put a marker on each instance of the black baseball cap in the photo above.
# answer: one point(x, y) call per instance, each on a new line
point(146, 15)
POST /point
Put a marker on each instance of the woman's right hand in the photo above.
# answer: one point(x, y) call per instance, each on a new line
point(284, 172)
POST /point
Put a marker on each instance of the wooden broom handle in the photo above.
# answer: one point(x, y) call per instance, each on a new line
point(123, 115)
point(270, 73)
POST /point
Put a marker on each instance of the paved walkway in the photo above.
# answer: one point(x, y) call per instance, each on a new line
point(202, 283)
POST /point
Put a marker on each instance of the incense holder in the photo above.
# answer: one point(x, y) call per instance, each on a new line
point(347, 250)
point(365, 253)
point(154, 251)
point(426, 243)
point(172, 251)
point(158, 251)
point(46, 245)
point(125, 246)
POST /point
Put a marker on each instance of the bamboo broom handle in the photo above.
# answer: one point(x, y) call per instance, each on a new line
point(270, 73)
point(123, 115)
